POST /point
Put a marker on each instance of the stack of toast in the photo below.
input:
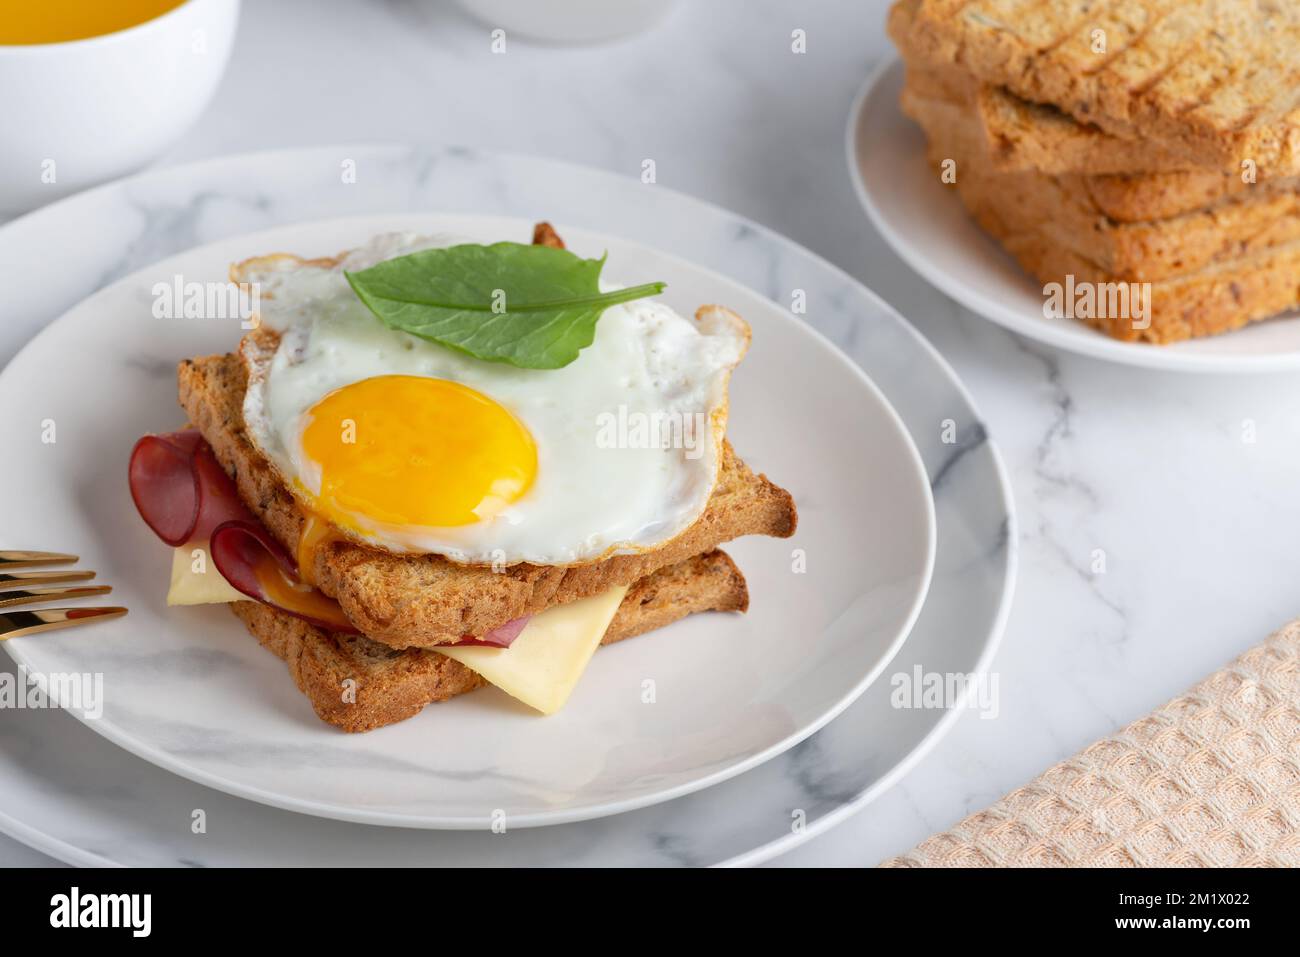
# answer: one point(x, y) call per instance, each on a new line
point(1155, 144)
point(403, 606)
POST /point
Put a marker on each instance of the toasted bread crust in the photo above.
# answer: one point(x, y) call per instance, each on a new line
point(1131, 198)
point(1128, 180)
point(1235, 227)
point(392, 685)
point(1213, 81)
point(544, 234)
point(1217, 299)
point(1209, 272)
point(1023, 135)
point(426, 600)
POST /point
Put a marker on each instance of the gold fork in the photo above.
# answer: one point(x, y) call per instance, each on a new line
point(30, 588)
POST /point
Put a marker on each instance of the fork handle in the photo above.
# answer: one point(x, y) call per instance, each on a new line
point(19, 558)
point(16, 624)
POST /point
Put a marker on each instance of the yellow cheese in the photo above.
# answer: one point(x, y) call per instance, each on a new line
point(542, 666)
point(196, 581)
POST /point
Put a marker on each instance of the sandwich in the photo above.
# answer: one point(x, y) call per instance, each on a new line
point(432, 466)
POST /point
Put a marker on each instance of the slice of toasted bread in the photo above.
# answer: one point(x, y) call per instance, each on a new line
point(357, 684)
point(1218, 298)
point(1131, 198)
point(1034, 136)
point(1128, 180)
point(1055, 208)
point(1215, 82)
point(426, 600)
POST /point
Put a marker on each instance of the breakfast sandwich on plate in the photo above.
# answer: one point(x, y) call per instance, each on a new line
point(433, 465)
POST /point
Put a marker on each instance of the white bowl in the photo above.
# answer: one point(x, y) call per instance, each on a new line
point(84, 111)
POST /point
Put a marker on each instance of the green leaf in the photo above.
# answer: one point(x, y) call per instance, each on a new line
point(530, 306)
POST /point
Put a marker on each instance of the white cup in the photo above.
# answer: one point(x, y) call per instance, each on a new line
point(77, 113)
point(570, 21)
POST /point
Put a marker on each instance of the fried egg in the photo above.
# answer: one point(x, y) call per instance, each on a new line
point(409, 446)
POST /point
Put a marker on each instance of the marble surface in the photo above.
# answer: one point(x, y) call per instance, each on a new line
point(1154, 507)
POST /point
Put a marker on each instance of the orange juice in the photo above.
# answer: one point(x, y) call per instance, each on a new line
point(55, 21)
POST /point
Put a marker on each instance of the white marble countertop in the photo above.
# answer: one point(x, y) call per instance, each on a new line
point(1186, 484)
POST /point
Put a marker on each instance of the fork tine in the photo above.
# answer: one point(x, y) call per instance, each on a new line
point(30, 596)
point(18, 579)
point(16, 624)
point(25, 559)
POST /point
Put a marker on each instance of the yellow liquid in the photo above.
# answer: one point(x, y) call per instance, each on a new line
point(56, 21)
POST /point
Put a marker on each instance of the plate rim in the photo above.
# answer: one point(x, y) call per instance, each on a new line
point(55, 847)
point(992, 643)
point(1009, 567)
point(828, 352)
point(1084, 340)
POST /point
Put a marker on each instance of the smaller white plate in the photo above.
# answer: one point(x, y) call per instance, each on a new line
point(927, 226)
point(189, 690)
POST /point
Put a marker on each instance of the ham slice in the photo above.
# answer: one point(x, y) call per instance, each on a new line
point(179, 488)
point(502, 637)
point(184, 495)
point(257, 565)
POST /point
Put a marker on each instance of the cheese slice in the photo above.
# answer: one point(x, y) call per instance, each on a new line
point(542, 666)
point(196, 581)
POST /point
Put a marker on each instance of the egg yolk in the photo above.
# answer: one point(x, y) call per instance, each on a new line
point(316, 534)
point(283, 592)
point(412, 450)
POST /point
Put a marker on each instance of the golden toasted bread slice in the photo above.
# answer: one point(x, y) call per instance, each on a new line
point(1214, 81)
point(1054, 207)
point(1131, 198)
point(1035, 136)
point(1129, 180)
point(388, 685)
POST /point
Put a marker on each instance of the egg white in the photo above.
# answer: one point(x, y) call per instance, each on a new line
point(588, 501)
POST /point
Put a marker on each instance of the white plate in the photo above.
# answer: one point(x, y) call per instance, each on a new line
point(188, 689)
point(928, 227)
point(71, 793)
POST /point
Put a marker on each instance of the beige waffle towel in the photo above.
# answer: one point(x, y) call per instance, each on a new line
point(1210, 779)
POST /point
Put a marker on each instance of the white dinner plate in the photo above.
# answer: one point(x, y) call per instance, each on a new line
point(73, 794)
point(188, 689)
point(926, 224)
